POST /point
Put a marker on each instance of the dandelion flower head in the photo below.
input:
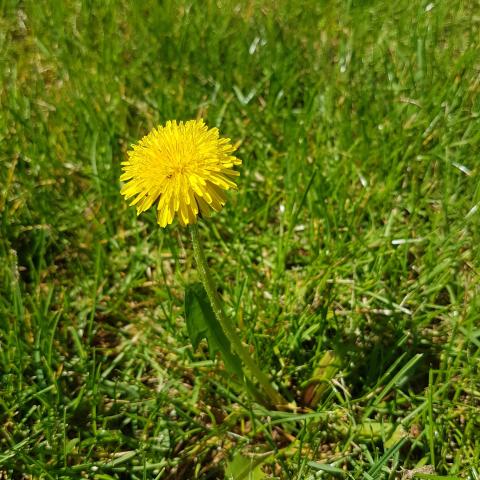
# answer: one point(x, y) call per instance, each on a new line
point(185, 167)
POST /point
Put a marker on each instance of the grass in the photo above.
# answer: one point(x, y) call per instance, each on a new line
point(355, 230)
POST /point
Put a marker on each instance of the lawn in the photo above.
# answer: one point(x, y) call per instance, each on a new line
point(350, 252)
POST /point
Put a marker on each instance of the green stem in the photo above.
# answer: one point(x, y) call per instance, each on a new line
point(227, 324)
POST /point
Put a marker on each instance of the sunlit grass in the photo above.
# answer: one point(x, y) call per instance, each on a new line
point(355, 229)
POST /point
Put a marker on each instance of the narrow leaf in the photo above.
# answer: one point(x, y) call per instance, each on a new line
point(246, 468)
point(202, 323)
point(319, 383)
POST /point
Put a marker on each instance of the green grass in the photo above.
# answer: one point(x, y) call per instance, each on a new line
point(355, 229)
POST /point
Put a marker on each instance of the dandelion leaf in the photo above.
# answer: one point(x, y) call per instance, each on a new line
point(202, 323)
point(246, 468)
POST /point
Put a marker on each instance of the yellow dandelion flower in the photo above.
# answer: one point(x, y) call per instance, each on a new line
point(185, 166)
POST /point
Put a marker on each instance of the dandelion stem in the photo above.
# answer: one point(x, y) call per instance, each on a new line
point(227, 324)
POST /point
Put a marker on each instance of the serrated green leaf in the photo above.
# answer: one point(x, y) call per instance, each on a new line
point(202, 323)
point(246, 468)
point(316, 387)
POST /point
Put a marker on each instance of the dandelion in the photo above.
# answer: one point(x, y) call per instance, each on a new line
point(186, 167)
